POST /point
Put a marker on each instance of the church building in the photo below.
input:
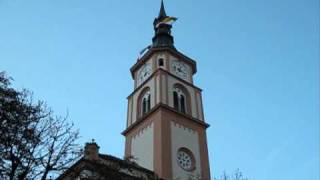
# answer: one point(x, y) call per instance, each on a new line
point(165, 134)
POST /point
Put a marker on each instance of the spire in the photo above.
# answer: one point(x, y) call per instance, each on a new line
point(162, 13)
point(162, 37)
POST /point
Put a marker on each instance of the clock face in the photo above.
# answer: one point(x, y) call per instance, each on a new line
point(144, 73)
point(185, 159)
point(180, 69)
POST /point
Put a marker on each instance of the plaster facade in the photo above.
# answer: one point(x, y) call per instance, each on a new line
point(142, 147)
point(182, 136)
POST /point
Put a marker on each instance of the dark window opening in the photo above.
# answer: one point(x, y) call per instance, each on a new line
point(160, 62)
point(175, 100)
point(182, 104)
point(146, 104)
point(179, 101)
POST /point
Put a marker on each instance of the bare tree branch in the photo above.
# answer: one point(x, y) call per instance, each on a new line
point(34, 144)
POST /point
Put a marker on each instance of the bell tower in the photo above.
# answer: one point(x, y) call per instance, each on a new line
point(166, 130)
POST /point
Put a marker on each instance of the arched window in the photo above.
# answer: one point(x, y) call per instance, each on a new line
point(179, 100)
point(145, 103)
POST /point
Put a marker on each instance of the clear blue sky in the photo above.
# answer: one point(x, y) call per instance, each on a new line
point(258, 66)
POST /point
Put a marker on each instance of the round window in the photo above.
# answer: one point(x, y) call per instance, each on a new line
point(185, 159)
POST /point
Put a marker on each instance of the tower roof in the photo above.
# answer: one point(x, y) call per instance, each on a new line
point(162, 37)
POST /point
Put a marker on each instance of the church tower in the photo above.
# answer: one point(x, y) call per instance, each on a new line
point(166, 130)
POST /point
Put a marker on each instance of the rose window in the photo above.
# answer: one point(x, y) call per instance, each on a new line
point(185, 159)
